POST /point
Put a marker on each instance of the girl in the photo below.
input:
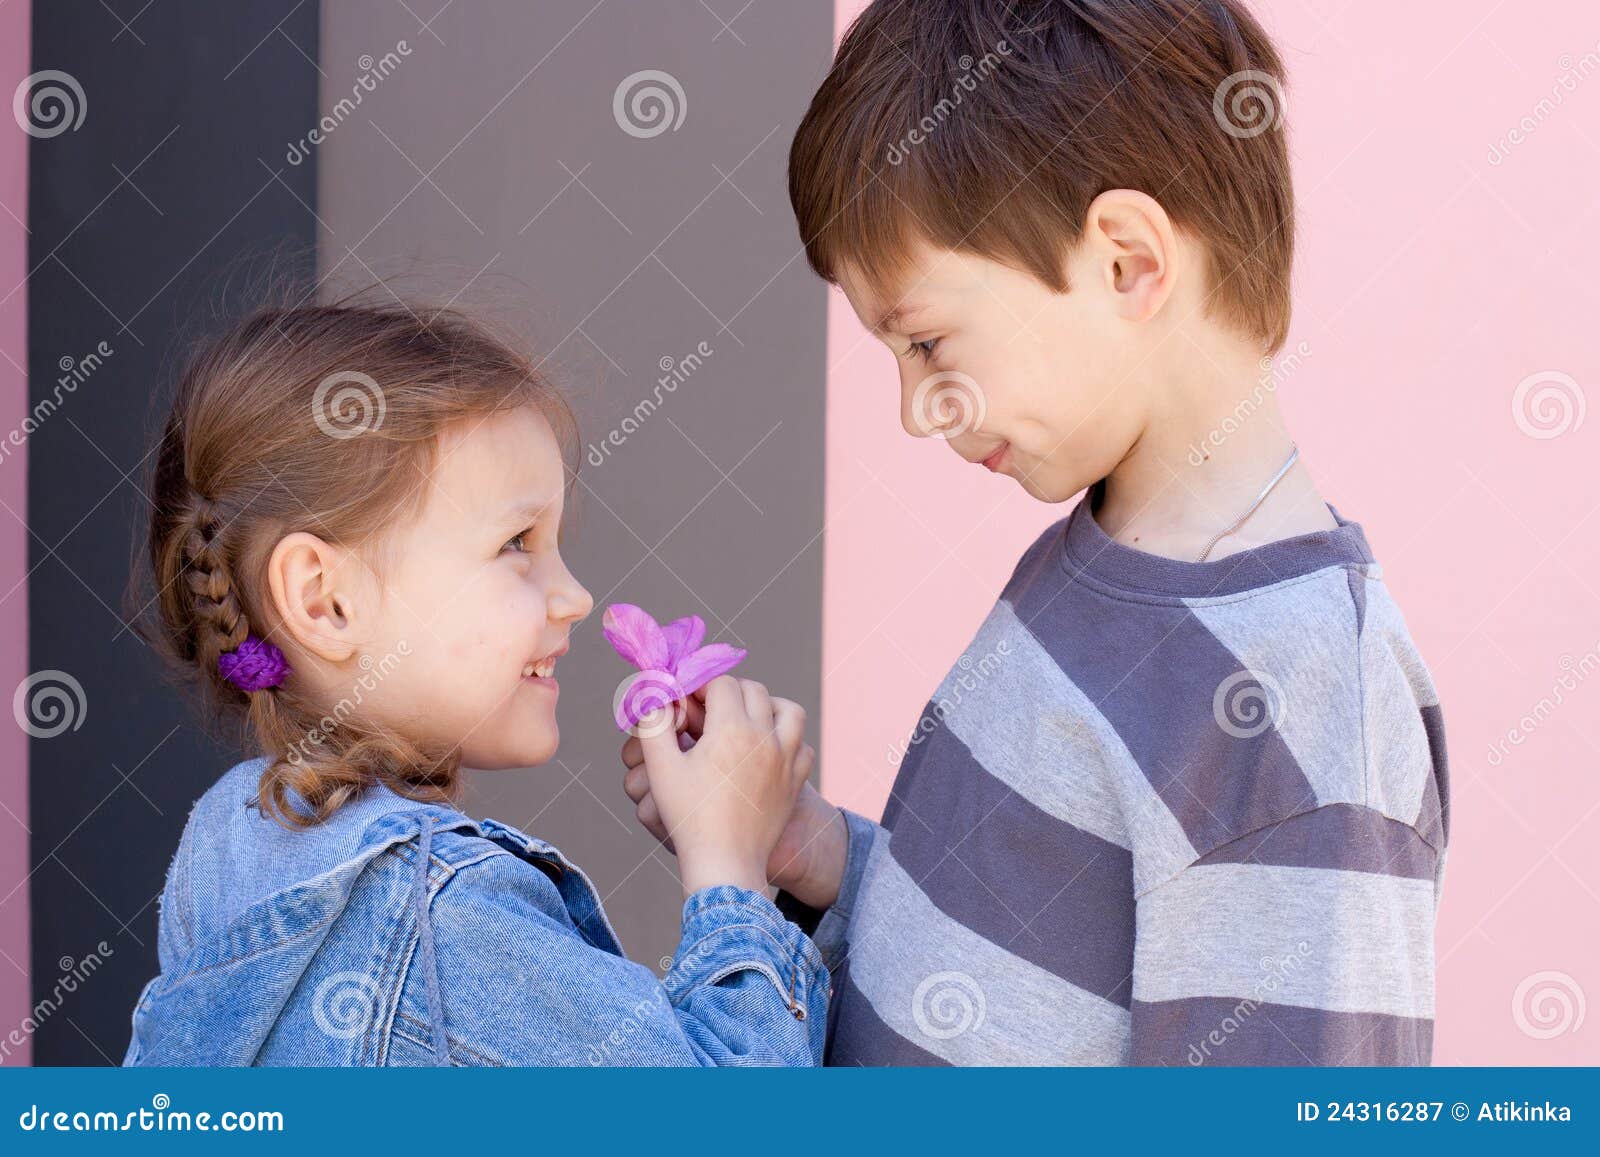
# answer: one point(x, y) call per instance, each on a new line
point(354, 539)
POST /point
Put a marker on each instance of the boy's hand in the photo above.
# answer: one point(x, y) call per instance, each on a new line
point(809, 857)
point(725, 801)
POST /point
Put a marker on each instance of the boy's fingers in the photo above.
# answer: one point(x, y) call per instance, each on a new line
point(632, 752)
point(789, 723)
point(805, 763)
point(636, 783)
point(695, 710)
point(757, 700)
point(650, 816)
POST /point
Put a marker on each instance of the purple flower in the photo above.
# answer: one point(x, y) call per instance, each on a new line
point(254, 666)
point(672, 662)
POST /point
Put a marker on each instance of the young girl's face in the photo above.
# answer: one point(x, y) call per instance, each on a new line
point(475, 602)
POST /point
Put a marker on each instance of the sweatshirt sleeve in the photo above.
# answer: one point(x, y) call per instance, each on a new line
point(1309, 942)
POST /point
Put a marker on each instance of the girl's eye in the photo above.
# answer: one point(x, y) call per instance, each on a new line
point(518, 542)
point(923, 349)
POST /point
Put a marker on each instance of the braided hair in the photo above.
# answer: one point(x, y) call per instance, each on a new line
point(258, 446)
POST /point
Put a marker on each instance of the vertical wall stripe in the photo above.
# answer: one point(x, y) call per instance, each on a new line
point(14, 21)
point(139, 214)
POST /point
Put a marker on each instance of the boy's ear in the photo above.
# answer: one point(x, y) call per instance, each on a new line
point(321, 594)
point(1135, 249)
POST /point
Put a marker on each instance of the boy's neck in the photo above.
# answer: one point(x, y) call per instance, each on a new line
point(1215, 438)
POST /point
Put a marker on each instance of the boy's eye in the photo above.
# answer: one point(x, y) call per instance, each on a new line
point(923, 349)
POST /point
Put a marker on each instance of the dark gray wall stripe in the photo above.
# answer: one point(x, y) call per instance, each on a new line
point(137, 216)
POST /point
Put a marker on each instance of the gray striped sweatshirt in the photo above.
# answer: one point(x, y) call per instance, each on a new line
point(1158, 813)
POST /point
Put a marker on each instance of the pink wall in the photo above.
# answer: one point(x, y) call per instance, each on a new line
point(1441, 264)
point(13, 536)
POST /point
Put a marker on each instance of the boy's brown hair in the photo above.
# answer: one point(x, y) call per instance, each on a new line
point(988, 127)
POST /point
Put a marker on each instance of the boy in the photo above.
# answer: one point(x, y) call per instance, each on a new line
point(1184, 799)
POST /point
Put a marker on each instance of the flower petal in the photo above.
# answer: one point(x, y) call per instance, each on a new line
point(697, 669)
point(635, 636)
point(683, 637)
point(645, 692)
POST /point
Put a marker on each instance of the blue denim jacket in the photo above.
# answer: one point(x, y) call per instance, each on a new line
point(405, 933)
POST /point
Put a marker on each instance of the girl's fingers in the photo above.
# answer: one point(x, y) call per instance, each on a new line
point(695, 709)
point(723, 696)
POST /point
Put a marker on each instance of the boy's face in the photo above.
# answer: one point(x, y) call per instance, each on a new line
point(1038, 385)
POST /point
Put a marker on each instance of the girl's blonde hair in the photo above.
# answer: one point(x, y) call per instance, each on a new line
point(321, 418)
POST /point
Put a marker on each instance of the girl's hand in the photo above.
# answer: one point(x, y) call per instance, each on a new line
point(808, 859)
point(722, 804)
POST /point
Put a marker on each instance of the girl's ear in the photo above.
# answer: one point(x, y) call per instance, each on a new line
point(321, 595)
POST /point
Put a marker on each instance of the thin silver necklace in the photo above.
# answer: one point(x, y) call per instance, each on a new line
point(1294, 453)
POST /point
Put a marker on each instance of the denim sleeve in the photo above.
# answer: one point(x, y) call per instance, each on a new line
point(521, 985)
point(828, 927)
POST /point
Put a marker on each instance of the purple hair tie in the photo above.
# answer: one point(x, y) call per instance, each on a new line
point(255, 666)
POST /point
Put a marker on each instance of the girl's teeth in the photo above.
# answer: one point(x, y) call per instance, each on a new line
point(544, 668)
point(527, 672)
